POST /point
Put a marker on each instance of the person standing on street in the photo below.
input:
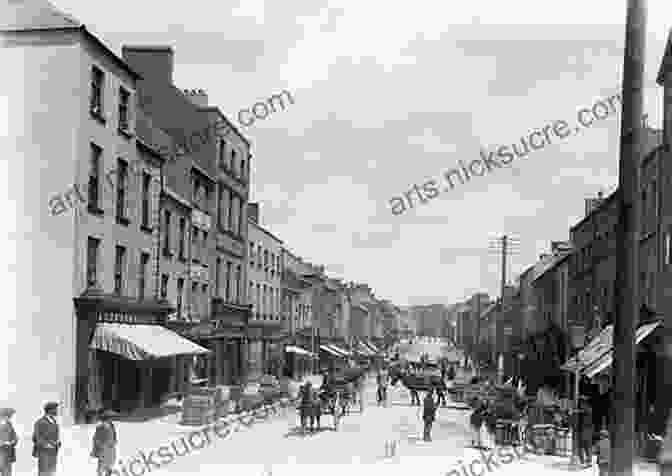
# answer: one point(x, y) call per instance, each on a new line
point(382, 389)
point(603, 450)
point(105, 444)
point(8, 441)
point(415, 398)
point(46, 441)
point(428, 415)
point(585, 432)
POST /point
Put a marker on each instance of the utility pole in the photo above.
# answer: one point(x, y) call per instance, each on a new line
point(477, 345)
point(627, 309)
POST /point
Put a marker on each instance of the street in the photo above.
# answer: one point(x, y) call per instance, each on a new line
point(276, 447)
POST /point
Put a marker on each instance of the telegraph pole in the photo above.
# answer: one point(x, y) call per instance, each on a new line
point(627, 309)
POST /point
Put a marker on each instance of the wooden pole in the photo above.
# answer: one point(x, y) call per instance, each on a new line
point(627, 308)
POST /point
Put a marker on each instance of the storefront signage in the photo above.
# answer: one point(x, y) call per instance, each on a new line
point(125, 318)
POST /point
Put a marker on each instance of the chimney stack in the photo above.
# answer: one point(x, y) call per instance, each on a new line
point(152, 62)
point(198, 97)
point(253, 212)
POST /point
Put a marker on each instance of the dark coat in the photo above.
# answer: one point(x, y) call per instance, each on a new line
point(8, 442)
point(46, 443)
point(429, 410)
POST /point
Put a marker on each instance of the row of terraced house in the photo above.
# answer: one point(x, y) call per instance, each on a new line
point(165, 278)
point(570, 296)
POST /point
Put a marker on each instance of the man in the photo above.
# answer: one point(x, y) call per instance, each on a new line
point(415, 398)
point(382, 389)
point(105, 444)
point(428, 415)
point(46, 441)
point(8, 441)
point(585, 432)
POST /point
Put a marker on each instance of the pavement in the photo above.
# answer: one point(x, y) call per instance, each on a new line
point(381, 440)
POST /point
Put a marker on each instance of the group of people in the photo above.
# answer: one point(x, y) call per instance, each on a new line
point(47, 442)
point(312, 399)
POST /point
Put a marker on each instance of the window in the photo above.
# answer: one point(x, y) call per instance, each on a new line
point(235, 214)
point(230, 213)
point(218, 270)
point(180, 290)
point(668, 247)
point(250, 296)
point(204, 248)
point(194, 244)
point(146, 181)
point(260, 303)
point(122, 175)
point(97, 83)
point(227, 294)
point(259, 256)
point(239, 287)
point(92, 249)
point(194, 299)
point(266, 260)
point(144, 261)
point(204, 290)
point(222, 153)
point(94, 176)
point(124, 100)
point(183, 238)
point(119, 264)
point(166, 234)
point(241, 219)
point(164, 286)
point(233, 162)
point(251, 254)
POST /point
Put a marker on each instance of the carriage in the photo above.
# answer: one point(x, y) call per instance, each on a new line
point(335, 398)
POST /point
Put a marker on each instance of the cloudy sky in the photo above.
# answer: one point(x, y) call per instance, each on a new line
point(389, 94)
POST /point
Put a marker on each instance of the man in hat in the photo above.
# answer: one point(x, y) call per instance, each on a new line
point(46, 441)
point(105, 444)
point(8, 442)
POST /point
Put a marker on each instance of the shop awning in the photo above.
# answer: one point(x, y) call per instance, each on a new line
point(292, 349)
point(362, 349)
point(142, 341)
point(606, 360)
point(597, 355)
point(345, 353)
point(330, 350)
point(373, 347)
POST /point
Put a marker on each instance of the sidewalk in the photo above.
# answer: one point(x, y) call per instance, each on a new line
point(133, 436)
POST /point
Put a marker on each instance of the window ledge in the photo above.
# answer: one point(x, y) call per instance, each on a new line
point(126, 133)
point(147, 229)
point(95, 210)
point(167, 253)
point(98, 116)
point(123, 221)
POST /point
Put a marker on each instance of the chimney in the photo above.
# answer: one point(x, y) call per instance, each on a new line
point(253, 212)
point(198, 97)
point(152, 62)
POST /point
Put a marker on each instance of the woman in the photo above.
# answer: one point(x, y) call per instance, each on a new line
point(8, 442)
point(105, 444)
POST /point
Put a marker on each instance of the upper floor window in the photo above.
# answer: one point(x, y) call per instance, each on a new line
point(94, 176)
point(124, 111)
point(233, 162)
point(119, 265)
point(97, 86)
point(164, 286)
point(122, 176)
point(218, 270)
point(194, 245)
point(144, 261)
point(222, 153)
point(166, 233)
point(92, 250)
point(667, 251)
point(146, 181)
point(243, 171)
point(183, 238)
point(251, 254)
point(180, 291)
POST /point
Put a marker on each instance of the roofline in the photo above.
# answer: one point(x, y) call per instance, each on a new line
point(119, 61)
point(251, 221)
point(228, 122)
point(150, 148)
point(606, 201)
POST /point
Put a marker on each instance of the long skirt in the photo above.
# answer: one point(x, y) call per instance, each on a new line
point(106, 460)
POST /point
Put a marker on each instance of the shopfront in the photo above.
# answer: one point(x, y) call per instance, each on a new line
point(125, 354)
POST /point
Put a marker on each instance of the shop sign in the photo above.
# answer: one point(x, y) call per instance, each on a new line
point(508, 331)
point(578, 335)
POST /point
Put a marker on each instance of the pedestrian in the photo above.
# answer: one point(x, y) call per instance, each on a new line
point(46, 441)
point(476, 421)
point(360, 390)
point(428, 415)
point(451, 373)
point(415, 398)
point(316, 413)
point(585, 432)
point(603, 449)
point(105, 444)
point(382, 389)
point(305, 404)
point(8, 441)
point(440, 391)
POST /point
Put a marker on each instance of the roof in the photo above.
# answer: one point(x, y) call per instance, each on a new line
point(549, 264)
point(666, 62)
point(228, 122)
point(250, 221)
point(19, 16)
point(23, 15)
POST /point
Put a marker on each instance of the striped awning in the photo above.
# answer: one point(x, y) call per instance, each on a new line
point(292, 349)
point(330, 350)
point(370, 346)
point(341, 350)
point(142, 341)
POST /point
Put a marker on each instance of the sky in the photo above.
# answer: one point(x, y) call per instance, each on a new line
point(391, 94)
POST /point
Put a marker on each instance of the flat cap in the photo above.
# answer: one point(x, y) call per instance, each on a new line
point(50, 406)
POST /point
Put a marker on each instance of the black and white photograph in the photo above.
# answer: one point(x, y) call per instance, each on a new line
point(336, 237)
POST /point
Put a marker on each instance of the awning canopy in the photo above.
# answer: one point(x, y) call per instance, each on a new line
point(330, 350)
point(606, 360)
point(372, 346)
point(597, 355)
point(292, 349)
point(142, 341)
point(340, 350)
point(364, 350)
